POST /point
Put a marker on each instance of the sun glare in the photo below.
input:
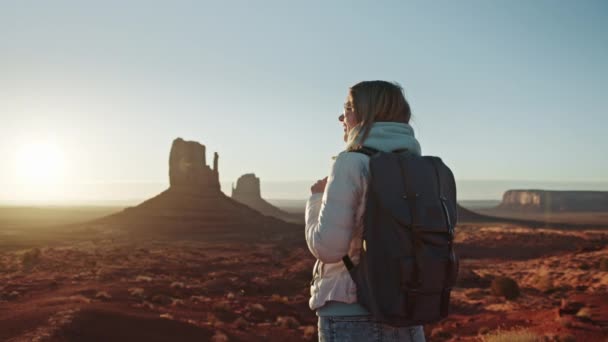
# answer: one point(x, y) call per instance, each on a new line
point(40, 163)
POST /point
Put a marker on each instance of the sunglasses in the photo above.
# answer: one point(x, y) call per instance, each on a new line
point(347, 107)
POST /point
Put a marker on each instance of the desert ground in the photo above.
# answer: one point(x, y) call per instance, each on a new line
point(63, 280)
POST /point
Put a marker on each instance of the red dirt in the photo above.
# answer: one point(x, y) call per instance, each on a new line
point(115, 287)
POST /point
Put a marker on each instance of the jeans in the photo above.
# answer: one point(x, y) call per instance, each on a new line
point(361, 328)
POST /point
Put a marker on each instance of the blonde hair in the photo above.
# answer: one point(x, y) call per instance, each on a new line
point(375, 101)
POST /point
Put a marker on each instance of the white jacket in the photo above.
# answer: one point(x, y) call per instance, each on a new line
point(334, 218)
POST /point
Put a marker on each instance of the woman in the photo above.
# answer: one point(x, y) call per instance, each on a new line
point(376, 115)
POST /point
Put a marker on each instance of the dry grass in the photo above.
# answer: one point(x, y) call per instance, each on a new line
point(511, 336)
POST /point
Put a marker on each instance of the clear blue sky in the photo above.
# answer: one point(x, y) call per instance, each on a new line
point(514, 90)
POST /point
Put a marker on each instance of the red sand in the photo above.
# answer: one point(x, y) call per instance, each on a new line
point(120, 288)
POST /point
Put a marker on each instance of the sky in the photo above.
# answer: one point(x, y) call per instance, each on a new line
point(93, 93)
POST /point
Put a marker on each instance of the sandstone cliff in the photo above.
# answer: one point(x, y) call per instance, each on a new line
point(188, 169)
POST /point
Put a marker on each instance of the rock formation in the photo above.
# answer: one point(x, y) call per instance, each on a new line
point(247, 186)
point(554, 201)
point(248, 192)
point(188, 169)
point(194, 204)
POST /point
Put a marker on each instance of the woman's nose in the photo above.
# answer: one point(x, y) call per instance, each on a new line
point(341, 117)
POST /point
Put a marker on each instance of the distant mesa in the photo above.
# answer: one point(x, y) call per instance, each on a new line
point(194, 203)
point(248, 192)
point(554, 201)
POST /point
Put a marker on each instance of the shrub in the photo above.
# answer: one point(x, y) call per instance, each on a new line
point(30, 258)
point(505, 287)
point(103, 295)
point(288, 322)
point(241, 323)
point(604, 264)
point(566, 338)
point(161, 299)
point(544, 283)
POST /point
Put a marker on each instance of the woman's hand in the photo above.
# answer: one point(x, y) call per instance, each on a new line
point(319, 186)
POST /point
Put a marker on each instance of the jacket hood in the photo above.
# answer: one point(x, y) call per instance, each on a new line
point(389, 136)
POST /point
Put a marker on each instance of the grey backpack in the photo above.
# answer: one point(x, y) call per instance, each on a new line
point(407, 265)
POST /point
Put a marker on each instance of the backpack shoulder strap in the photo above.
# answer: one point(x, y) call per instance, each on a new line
point(368, 151)
point(437, 165)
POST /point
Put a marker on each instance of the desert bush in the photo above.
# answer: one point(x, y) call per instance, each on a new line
point(177, 285)
point(223, 311)
point(544, 282)
point(604, 264)
point(256, 307)
point(565, 321)
point(288, 322)
point(280, 299)
point(566, 338)
point(309, 332)
point(241, 323)
point(136, 292)
point(31, 258)
point(161, 299)
point(219, 337)
point(505, 287)
point(143, 278)
point(511, 336)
